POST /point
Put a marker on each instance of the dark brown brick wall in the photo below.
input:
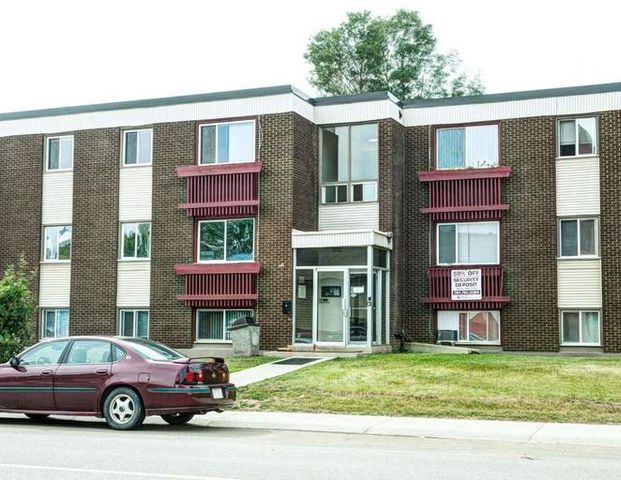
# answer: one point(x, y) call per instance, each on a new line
point(94, 236)
point(172, 233)
point(414, 256)
point(528, 235)
point(21, 171)
point(610, 227)
point(305, 194)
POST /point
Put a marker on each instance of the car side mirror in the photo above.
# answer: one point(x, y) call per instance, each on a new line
point(14, 361)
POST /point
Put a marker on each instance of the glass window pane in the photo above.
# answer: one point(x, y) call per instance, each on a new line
point(240, 142)
point(335, 154)
point(477, 243)
point(143, 240)
point(567, 133)
point(62, 322)
point(341, 193)
point(446, 244)
point(223, 143)
point(142, 327)
point(380, 258)
point(233, 315)
point(326, 257)
point(357, 192)
point(51, 243)
point(571, 327)
point(66, 152)
point(144, 152)
point(45, 354)
point(131, 143)
point(590, 327)
point(64, 243)
point(364, 152)
point(330, 194)
point(587, 237)
point(478, 327)
point(53, 154)
point(49, 323)
point(586, 136)
point(129, 240)
point(239, 239)
point(569, 238)
point(482, 146)
point(451, 148)
point(210, 325)
point(211, 241)
point(89, 352)
point(127, 323)
point(493, 326)
point(208, 144)
point(463, 326)
point(369, 193)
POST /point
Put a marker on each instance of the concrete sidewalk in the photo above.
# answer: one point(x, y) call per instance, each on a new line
point(271, 370)
point(492, 430)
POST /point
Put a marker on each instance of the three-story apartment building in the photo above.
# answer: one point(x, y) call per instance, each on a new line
point(336, 222)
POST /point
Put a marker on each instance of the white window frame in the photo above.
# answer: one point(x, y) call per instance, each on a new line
point(215, 124)
point(465, 127)
point(335, 185)
point(349, 182)
point(580, 313)
point(137, 131)
point(497, 262)
point(55, 310)
point(577, 155)
point(43, 245)
point(134, 312)
point(224, 311)
point(225, 221)
point(135, 258)
point(595, 240)
point(47, 153)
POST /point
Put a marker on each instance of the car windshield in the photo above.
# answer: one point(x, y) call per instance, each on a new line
point(153, 350)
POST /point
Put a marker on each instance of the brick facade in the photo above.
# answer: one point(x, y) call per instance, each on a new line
point(94, 236)
point(21, 171)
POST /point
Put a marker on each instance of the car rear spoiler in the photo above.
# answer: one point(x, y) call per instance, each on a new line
point(195, 359)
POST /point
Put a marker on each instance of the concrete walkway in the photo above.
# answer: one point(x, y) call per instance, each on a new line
point(271, 370)
point(492, 430)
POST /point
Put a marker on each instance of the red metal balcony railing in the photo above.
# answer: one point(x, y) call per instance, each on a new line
point(220, 285)
point(228, 190)
point(463, 195)
point(492, 294)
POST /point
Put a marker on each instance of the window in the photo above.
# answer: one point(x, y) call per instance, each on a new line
point(349, 163)
point(577, 137)
point(580, 327)
point(57, 243)
point(226, 240)
point(136, 240)
point(471, 327)
point(48, 353)
point(212, 325)
point(55, 323)
point(467, 243)
point(152, 350)
point(227, 143)
point(467, 147)
point(117, 353)
point(137, 147)
point(59, 153)
point(578, 237)
point(89, 352)
point(134, 323)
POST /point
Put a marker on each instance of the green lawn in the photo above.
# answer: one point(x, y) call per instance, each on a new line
point(560, 389)
point(236, 364)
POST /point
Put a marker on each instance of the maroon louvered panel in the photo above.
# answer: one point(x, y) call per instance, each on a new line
point(491, 283)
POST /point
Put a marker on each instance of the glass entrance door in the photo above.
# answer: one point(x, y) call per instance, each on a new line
point(358, 302)
point(331, 306)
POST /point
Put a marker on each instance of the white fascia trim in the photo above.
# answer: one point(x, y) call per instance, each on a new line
point(341, 238)
point(552, 106)
point(356, 112)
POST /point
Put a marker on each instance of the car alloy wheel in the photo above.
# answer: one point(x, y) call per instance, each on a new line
point(123, 409)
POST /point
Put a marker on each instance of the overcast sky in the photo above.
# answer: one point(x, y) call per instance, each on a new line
point(61, 52)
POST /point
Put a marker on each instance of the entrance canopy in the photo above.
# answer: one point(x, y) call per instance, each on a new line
point(341, 238)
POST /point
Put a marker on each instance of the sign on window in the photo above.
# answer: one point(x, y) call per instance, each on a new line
point(466, 284)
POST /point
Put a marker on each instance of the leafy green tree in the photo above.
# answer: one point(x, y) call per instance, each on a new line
point(16, 308)
point(397, 53)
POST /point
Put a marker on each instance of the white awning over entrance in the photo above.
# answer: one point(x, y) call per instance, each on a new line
point(341, 238)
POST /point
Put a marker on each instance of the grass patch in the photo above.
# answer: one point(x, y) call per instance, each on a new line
point(517, 387)
point(236, 364)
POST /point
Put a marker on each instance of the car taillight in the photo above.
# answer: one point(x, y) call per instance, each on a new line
point(191, 376)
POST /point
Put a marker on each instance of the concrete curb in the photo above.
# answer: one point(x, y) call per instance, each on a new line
point(443, 428)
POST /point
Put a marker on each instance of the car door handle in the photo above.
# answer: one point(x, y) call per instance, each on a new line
point(102, 371)
point(46, 372)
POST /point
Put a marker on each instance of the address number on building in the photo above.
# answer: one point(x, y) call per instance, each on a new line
point(466, 284)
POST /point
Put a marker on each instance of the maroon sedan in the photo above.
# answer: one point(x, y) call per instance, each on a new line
point(121, 379)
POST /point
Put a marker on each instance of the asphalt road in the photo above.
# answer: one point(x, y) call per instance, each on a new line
point(85, 450)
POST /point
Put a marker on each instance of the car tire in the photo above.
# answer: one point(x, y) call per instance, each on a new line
point(38, 417)
point(123, 409)
point(177, 418)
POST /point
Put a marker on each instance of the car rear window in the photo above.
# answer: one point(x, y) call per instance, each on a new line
point(153, 350)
